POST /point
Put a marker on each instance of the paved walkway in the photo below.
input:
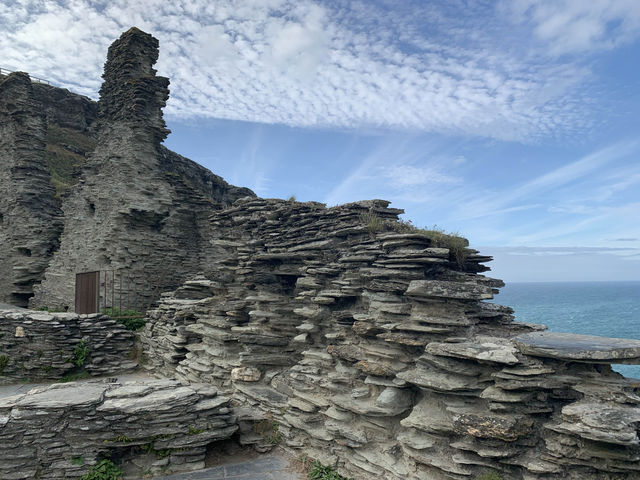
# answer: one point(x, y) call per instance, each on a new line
point(273, 466)
point(20, 388)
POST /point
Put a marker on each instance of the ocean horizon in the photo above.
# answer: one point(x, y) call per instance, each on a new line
point(602, 308)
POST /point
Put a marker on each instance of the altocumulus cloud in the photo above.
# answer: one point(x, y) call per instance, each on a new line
point(311, 64)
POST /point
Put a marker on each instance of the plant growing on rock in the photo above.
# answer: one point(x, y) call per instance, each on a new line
point(80, 354)
point(322, 472)
point(130, 319)
point(103, 470)
point(371, 221)
point(4, 361)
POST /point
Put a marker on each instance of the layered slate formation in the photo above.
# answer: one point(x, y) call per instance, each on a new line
point(30, 215)
point(138, 206)
point(38, 346)
point(372, 349)
point(60, 431)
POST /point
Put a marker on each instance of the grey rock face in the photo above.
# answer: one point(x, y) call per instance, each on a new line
point(375, 350)
point(137, 207)
point(38, 346)
point(585, 348)
point(30, 217)
point(60, 431)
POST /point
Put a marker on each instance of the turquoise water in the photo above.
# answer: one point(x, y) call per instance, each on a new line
point(608, 309)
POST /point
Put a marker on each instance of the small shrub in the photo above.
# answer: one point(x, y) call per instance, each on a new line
point(371, 221)
point(103, 470)
point(74, 377)
point(291, 199)
point(122, 439)
point(80, 354)
point(133, 320)
point(4, 361)
point(268, 430)
point(321, 472)
point(489, 476)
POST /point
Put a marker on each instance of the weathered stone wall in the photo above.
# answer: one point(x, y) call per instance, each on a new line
point(39, 345)
point(30, 217)
point(59, 432)
point(376, 351)
point(138, 206)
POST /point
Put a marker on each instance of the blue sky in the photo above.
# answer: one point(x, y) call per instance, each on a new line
point(512, 122)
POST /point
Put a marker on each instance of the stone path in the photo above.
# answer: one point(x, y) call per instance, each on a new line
point(274, 466)
point(20, 388)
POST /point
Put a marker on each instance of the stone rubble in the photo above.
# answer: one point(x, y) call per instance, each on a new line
point(60, 431)
point(41, 345)
point(376, 351)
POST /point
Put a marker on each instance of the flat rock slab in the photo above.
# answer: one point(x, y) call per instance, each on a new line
point(581, 348)
point(268, 467)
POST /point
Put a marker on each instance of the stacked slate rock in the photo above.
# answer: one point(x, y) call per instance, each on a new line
point(30, 217)
point(39, 345)
point(61, 431)
point(370, 347)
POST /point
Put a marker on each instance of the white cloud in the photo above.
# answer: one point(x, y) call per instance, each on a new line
point(305, 63)
point(572, 26)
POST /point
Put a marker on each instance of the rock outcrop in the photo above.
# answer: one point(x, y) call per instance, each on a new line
point(138, 207)
point(374, 349)
point(30, 216)
point(61, 431)
point(37, 346)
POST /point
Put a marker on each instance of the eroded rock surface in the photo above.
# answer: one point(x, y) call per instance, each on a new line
point(60, 431)
point(30, 216)
point(376, 351)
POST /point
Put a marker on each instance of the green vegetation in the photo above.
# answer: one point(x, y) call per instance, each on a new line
point(321, 472)
point(456, 244)
point(371, 221)
point(194, 430)
point(77, 461)
point(103, 470)
point(121, 439)
point(51, 309)
point(130, 319)
point(4, 361)
point(291, 199)
point(269, 431)
point(489, 476)
point(80, 354)
point(65, 154)
point(74, 377)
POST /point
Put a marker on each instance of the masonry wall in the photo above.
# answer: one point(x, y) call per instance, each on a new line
point(374, 350)
point(37, 346)
point(156, 427)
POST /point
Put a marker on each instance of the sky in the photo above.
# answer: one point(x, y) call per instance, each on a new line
point(514, 123)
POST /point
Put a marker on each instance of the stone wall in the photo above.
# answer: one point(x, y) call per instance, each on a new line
point(137, 207)
point(59, 432)
point(30, 217)
point(374, 350)
point(39, 345)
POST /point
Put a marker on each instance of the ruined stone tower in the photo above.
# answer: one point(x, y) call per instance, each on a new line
point(138, 207)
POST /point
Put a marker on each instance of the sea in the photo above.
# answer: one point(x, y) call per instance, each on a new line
point(607, 309)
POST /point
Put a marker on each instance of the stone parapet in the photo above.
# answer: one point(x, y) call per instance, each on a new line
point(40, 345)
point(61, 431)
